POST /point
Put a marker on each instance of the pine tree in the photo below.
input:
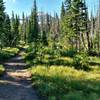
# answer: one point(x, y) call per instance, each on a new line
point(7, 28)
point(44, 39)
point(67, 32)
point(34, 24)
point(15, 29)
point(29, 32)
point(27, 29)
point(47, 26)
point(12, 23)
point(68, 5)
point(42, 23)
point(74, 24)
point(23, 27)
point(2, 16)
point(62, 11)
point(56, 27)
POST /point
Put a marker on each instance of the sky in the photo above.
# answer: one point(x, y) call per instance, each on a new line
point(50, 6)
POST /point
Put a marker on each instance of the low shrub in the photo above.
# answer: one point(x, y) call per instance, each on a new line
point(6, 53)
point(69, 53)
point(94, 52)
point(2, 69)
point(81, 61)
point(94, 61)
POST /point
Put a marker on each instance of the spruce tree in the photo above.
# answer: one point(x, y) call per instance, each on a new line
point(74, 24)
point(44, 39)
point(62, 11)
point(47, 23)
point(34, 24)
point(42, 24)
point(29, 32)
point(23, 27)
point(2, 16)
point(16, 29)
point(67, 32)
point(27, 29)
point(7, 29)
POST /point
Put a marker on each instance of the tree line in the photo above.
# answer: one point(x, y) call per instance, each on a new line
point(73, 28)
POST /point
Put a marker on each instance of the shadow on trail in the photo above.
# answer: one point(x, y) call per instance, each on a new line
point(16, 83)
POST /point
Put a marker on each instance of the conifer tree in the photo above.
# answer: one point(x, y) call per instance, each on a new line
point(7, 28)
point(44, 39)
point(23, 27)
point(42, 23)
point(27, 29)
point(47, 26)
point(75, 23)
point(34, 24)
point(62, 11)
point(2, 16)
point(15, 29)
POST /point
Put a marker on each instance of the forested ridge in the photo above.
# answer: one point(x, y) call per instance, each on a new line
point(62, 52)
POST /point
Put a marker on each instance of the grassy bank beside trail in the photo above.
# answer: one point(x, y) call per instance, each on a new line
point(64, 74)
point(7, 53)
point(2, 70)
point(64, 83)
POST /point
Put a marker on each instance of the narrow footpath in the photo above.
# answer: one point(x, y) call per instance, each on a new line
point(16, 83)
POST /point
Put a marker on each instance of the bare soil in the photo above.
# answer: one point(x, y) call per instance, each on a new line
point(16, 83)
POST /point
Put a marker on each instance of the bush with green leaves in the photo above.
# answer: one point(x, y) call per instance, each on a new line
point(81, 61)
point(7, 53)
point(70, 52)
point(36, 54)
point(2, 69)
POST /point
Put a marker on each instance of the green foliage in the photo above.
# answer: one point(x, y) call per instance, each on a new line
point(2, 69)
point(94, 52)
point(2, 16)
point(94, 60)
point(62, 11)
point(7, 37)
point(52, 98)
point(14, 30)
point(81, 61)
point(35, 53)
point(43, 55)
point(69, 52)
point(74, 23)
point(63, 83)
point(33, 25)
point(44, 39)
point(7, 53)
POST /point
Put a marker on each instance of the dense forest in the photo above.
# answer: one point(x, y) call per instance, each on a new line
point(64, 51)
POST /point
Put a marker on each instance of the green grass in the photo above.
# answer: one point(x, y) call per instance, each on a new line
point(2, 69)
point(7, 53)
point(47, 60)
point(64, 83)
point(55, 78)
point(94, 61)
